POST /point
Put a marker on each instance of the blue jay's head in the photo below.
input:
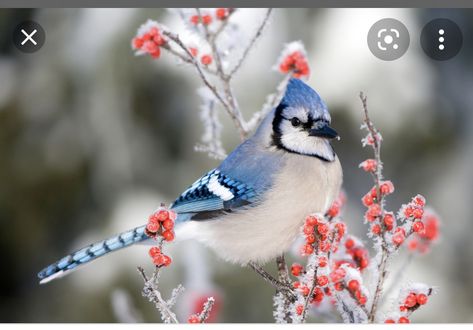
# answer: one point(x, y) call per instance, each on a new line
point(301, 123)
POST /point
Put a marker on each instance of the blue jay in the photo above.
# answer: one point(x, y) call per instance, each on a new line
point(251, 207)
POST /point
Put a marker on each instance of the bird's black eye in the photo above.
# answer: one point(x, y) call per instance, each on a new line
point(295, 122)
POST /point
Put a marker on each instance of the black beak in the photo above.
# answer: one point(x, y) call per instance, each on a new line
point(323, 131)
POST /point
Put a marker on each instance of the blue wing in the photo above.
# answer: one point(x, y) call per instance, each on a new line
point(211, 195)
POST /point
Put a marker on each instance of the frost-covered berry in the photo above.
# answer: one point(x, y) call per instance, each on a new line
point(322, 261)
point(154, 251)
point(152, 227)
point(353, 285)
point(322, 228)
point(296, 269)
point(322, 280)
point(310, 239)
point(168, 224)
point(311, 220)
point(367, 200)
point(168, 235)
point(166, 260)
point(418, 213)
point(369, 165)
point(388, 220)
point(418, 226)
point(403, 319)
point(206, 19)
point(422, 299)
point(349, 243)
point(411, 300)
point(376, 229)
point(398, 238)
point(305, 290)
point(386, 188)
point(299, 309)
point(307, 249)
point(374, 211)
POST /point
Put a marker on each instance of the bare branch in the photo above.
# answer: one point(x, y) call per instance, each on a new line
point(252, 42)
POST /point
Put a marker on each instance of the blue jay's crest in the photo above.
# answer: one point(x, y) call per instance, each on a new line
point(301, 123)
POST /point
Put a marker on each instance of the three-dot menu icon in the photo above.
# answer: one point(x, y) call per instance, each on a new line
point(441, 39)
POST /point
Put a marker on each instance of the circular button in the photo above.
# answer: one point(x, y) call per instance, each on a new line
point(441, 39)
point(29, 37)
point(388, 39)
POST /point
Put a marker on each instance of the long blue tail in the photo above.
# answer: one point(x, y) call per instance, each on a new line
point(92, 252)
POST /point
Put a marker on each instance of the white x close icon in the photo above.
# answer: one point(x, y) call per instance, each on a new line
point(29, 37)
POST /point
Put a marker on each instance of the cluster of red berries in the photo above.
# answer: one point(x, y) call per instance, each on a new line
point(413, 301)
point(207, 19)
point(296, 63)
point(358, 253)
point(340, 282)
point(159, 259)
point(422, 240)
point(149, 42)
point(316, 231)
point(161, 224)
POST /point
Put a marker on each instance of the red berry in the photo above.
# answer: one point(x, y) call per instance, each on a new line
point(154, 251)
point(334, 210)
point(307, 249)
point(398, 238)
point(389, 321)
point(386, 188)
point(353, 285)
point(369, 165)
point(305, 290)
point(339, 286)
point(322, 261)
point(322, 280)
point(367, 200)
point(418, 226)
point(158, 260)
point(296, 269)
point(193, 319)
point(310, 238)
point(137, 42)
point(388, 220)
point(341, 228)
point(324, 246)
point(166, 260)
point(413, 244)
point(349, 243)
point(152, 227)
point(206, 19)
point(168, 224)
point(403, 319)
point(419, 200)
point(221, 13)
point(299, 309)
point(162, 215)
point(374, 210)
point(311, 221)
point(422, 299)
point(296, 284)
point(418, 213)
point(308, 229)
point(206, 59)
point(376, 229)
point(194, 51)
point(168, 235)
point(322, 228)
point(195, 19)
point(411, 300)
point(408, 211)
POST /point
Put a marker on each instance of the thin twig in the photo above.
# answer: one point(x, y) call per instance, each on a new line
point(282, 287)
point(204, 315)
point(252, 41)
point(153, 294)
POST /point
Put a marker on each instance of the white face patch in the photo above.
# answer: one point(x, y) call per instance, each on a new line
point(297, 140)
point(217, 189)
point(299, 113)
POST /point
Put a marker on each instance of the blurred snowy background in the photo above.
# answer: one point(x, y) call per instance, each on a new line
point(92, 139)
